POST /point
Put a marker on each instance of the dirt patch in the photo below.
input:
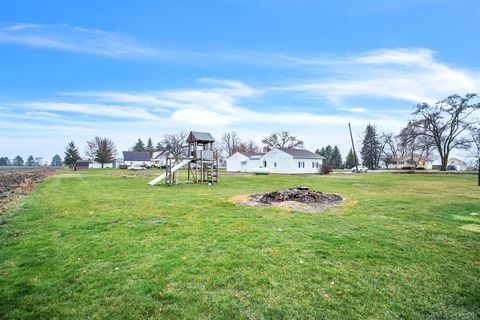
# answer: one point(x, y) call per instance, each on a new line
point(17, 182)
point(300, 198)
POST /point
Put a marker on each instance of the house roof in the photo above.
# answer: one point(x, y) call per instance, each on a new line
point(456, 160)
point(416, 158)
point(301, 153)
point(250, 155)
point(136, 156)
point(196, 136)
point(160, 154)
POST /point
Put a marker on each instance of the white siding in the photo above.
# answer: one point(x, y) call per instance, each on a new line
point(241, 163)
point(96, 165)
point(278, 161)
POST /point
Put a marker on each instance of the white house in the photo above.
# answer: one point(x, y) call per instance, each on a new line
point(96, 165)
point(159, 158)
point(458, 164)
point(399, 163)
point(139, 158)
point(244, 161)
point(284, 160)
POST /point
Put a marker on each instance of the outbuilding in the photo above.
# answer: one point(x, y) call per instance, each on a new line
point(244, 161)
point(81, 165)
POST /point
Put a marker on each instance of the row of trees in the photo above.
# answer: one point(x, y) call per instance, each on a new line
point(30, 162)
point(439, 128)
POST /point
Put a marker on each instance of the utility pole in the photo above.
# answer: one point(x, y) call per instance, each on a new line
point(353, 147)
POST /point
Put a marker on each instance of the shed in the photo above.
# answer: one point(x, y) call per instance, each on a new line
point(81, 165)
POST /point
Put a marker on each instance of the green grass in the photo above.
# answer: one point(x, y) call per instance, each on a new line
point(99, 245)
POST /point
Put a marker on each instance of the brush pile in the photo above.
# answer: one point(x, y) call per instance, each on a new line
point(299, 194)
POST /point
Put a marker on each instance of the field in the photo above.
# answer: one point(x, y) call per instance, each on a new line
point(101, 245)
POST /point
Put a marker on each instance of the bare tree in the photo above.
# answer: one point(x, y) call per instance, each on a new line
point(282, 140)
point(412, 142)
point(475, 149)
point(389, 150)
point(230, 142)
point(101, 150)
point(173, 143)
point(445, 122)
point(248, 146)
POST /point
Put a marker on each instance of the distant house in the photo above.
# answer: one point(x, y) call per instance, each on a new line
point(97, 165)
point(159, 158)
point(408, 161)
point(244, 161)
point(457, 164)
point(292, 161)
point(139, 158)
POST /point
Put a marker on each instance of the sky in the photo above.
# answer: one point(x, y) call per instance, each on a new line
point(73, 70)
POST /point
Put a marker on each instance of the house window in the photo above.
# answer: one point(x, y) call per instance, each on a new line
point(313, 165)
point(275, 164)
point(264, 164)
point(301, 164)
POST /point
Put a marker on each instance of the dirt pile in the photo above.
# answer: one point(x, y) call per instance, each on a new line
point(300, 198)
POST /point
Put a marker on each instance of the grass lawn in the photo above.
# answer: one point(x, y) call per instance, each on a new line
point(99, 245)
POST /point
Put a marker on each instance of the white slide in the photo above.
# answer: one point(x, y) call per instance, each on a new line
point(163, 176)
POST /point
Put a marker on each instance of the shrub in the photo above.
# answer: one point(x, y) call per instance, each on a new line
point(420, 168)
point(325, 169)
point(406, 168)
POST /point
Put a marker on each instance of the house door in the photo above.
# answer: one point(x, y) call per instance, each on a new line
point(243, 166)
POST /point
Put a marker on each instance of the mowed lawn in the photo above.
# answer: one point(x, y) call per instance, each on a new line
point(101, 246)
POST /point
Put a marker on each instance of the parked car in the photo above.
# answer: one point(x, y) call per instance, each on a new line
point(360, 169)
point(136, 167)
point(261, 170)
point(451, 167)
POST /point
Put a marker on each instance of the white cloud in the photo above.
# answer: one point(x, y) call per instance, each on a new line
point(412, 75)
point(75, 39)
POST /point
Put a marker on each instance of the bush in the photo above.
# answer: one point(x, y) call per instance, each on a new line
point(123, 166)
point(325, 169)
point(420, 168)
point(406, 168)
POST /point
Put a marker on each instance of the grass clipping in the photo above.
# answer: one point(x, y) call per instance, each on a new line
point(300, 198)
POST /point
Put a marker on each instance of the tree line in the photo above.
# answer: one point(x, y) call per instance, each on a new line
point(30, 162)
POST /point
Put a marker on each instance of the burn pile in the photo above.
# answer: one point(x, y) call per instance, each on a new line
point(300, 194)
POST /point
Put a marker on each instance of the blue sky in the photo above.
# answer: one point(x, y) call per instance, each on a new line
point(73, 70)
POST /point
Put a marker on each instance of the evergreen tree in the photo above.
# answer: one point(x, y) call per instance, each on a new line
point(351, 160)
point(18, 161)
point(370, 148)
point(56, 161)
point(30, 161)
point(159, 147)
point(150, 147)
point(336, 158)
point(71, 154)
point(326, 152)
point(4, 161)
point(139, 146)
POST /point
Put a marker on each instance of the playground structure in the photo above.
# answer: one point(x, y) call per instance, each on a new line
point(199, 157)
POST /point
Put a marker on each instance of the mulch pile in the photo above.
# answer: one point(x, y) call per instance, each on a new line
point(300, 194)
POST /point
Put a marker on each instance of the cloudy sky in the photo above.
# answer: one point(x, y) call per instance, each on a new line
point(72, 71)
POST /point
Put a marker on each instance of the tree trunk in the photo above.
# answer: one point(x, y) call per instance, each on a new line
point(102, 165)
point(444, 160)
point(479, 171)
